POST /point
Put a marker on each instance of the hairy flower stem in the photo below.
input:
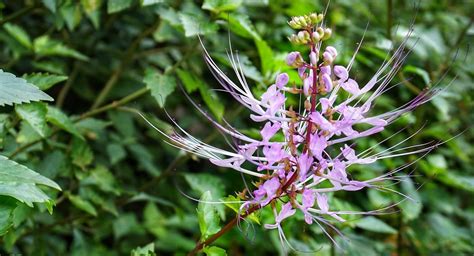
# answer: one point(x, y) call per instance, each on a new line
point(200, 245)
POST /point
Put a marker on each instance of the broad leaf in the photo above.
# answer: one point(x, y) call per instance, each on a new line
point(207, 216)
point(58, 118)
point(194, 25)
point(17, 90)
point(44, 81)
point(83, 204)
point(20, 182)
point(160, 85)
point(214, 251)
point(19, 34)
point(118, 5)
point(35, 115)
point(45, 46)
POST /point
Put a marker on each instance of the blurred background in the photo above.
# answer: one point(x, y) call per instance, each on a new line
point(123, 188)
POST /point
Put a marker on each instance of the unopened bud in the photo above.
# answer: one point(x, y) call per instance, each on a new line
point(314, 18)
point(315, 37)
point(320, 31)
point(294, 59)
point(313, 57)
point(327, 34)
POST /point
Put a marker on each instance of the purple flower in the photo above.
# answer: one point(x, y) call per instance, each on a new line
point(290, 171)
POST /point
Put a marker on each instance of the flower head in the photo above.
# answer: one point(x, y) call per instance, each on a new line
point(315, 148)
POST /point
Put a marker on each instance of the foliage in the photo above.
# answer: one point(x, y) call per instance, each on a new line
point(85, 174)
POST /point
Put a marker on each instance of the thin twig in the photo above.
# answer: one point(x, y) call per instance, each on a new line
point(128, 57)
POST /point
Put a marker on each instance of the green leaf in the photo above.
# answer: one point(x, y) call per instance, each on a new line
point(147, 250)
point(150, 2)
point(82, 204)
point(191, 83)
point(103, 179)
point(45, 46)
point(214, 251)
point(418, 71)
point(7, 206)
point(194, 25)
point(160, 85)
point(50, 4)
point(207, 216)
point(410, 210)
point(125, 224)
point(266, 56)
point(221, 5)
point(61, 120)
point(373, 224)
point(20, 182)
point(118, 5)
point(34, 114)
point(17, 90)
point(116, 153)
point(241, 25)
point(72, 15)
point(81, 153)
point(230, 201)
point(44, 81)
point(19, 34)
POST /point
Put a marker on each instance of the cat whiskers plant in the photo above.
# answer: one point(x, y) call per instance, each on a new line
point(301, 172)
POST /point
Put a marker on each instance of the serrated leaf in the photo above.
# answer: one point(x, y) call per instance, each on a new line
point(214, 251)
point(118, 5)
point(20, 182)
point(19, 34)
point(160, 85)
point(147, 250)
point(15, 90)
point(221, 5)
point(207, 216)
point(45, 46)
point(34, 114)
point(194, 25)
point(61, 120)
point(103, 179)
point(373, 224)
point(83, 204)
point(44, 81)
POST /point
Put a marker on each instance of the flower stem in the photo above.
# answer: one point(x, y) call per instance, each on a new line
point(200, 245)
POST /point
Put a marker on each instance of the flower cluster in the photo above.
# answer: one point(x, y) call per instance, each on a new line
point(318, 144)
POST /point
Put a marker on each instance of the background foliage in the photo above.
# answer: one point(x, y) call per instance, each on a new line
point(122, 187)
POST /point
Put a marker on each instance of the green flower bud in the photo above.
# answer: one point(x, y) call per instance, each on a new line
point(315, 37)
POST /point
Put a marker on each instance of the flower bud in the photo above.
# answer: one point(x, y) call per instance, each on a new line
point(320, 17)
point(327, 57)
point(320, 31)
point(315, 37)
point(313, 57)
point(294, 59)
point(327, 34)
point(314, 18)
